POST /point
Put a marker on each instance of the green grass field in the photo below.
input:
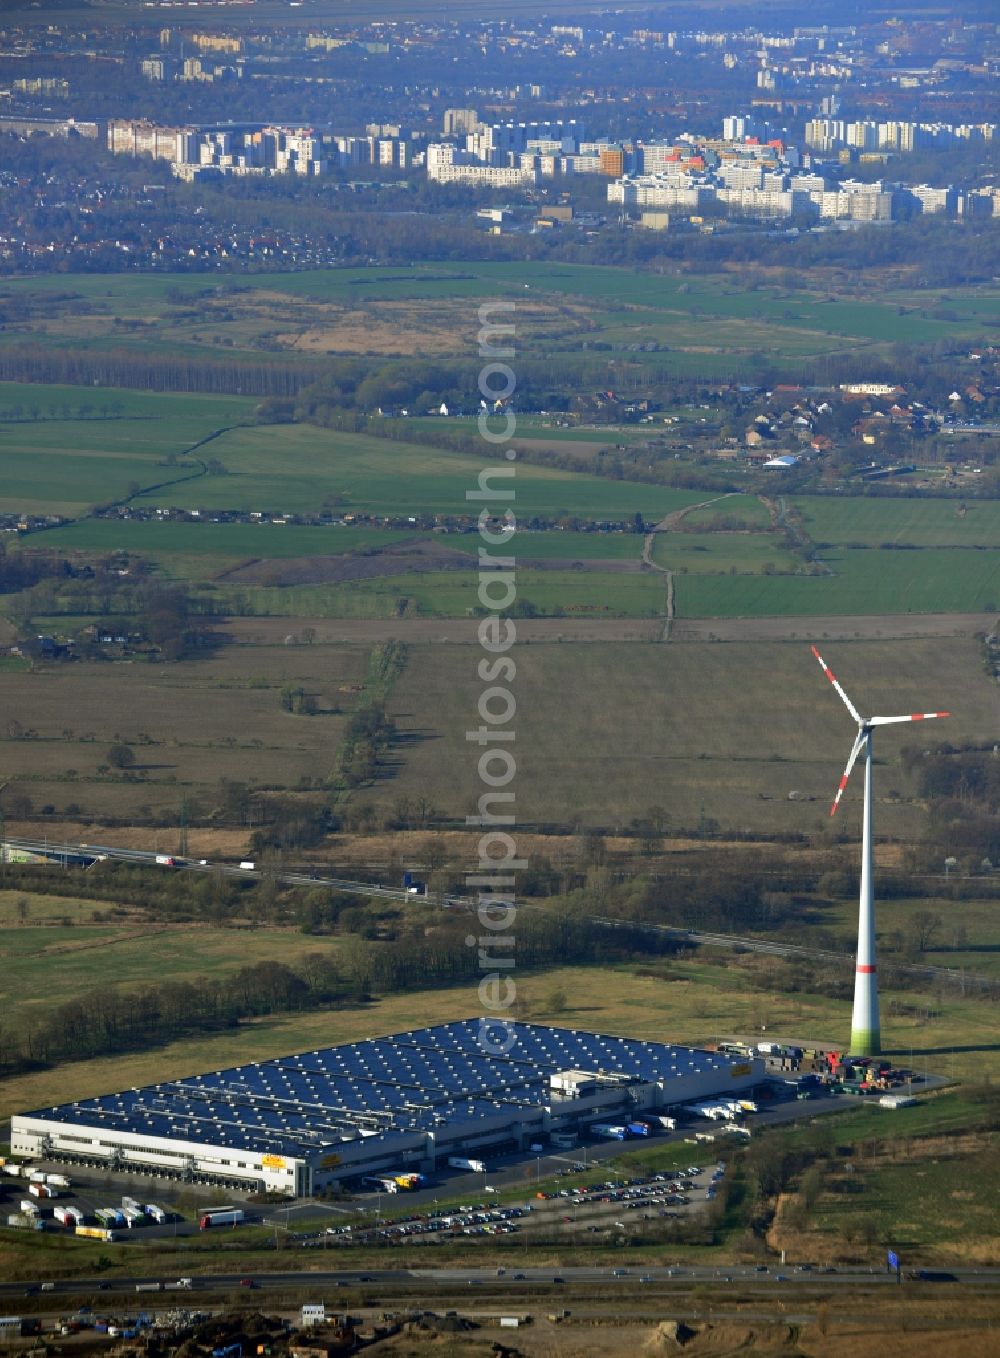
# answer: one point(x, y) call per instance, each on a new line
point(910, 522)
point(934, 580)
point(296, 468)
point(163, 542)
point(729, 730)
point(559, 546)
point(61, 463)
point(37, 962)
point(744, 511)
point(721, 553)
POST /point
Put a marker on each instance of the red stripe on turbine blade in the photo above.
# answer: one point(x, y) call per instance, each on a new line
point(867, 971)
point(918, 716)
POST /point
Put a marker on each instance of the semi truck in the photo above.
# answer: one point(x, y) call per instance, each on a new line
point(409, 1181)
point(668, 1124)
point(149, 1287)
point(380, 1183)
point(615, 1131)
point(166, 860)
point(157, 1213)
point(638, 1128)
point(98, 1232)
point(464, 1162)
point(58, 1180)
point(222, 1216)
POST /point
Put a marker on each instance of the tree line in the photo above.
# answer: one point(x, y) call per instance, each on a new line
point(121, 367)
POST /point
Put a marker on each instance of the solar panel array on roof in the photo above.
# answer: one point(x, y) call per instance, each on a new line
point(413, 1081)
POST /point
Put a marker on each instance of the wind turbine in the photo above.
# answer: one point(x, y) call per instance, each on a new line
point(865, 1035)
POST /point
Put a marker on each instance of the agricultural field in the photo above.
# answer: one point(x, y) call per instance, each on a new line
point(700, 729)
point(298, 468)
point(190, 724)
point(870, 522)
point(60, 460)
point(738, 511)
point(933, 580)
point(722, 553)
point(201, 551)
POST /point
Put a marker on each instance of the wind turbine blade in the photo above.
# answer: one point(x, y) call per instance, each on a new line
point(858, 744)
point(913, 716)
point(833, 680)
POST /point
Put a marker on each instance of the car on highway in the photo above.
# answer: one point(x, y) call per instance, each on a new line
point(247, 1282)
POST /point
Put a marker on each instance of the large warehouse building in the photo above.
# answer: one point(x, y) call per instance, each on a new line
point(300, 1123)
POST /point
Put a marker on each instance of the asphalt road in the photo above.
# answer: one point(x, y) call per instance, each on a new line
point(511, 1278)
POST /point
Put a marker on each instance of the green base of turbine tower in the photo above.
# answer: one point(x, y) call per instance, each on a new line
point(866, 1042)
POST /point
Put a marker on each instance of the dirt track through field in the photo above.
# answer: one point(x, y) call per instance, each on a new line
point(664, 526)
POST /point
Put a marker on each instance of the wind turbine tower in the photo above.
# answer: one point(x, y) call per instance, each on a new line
point(865, 1034)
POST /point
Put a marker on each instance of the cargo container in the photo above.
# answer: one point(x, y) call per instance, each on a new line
point(64, 1216)
point(37, 1176)
point(464, 1162)
point(222, 1216)
point(157, 1213)
point(39, 1190)
point(149, 1287)
point(58, 1180)
point(247, 865)
point(29, 1205)
point(668, 1124)
point(134, 1216)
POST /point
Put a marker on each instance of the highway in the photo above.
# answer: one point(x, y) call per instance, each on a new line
point(512, 1279)
point(684, 937)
